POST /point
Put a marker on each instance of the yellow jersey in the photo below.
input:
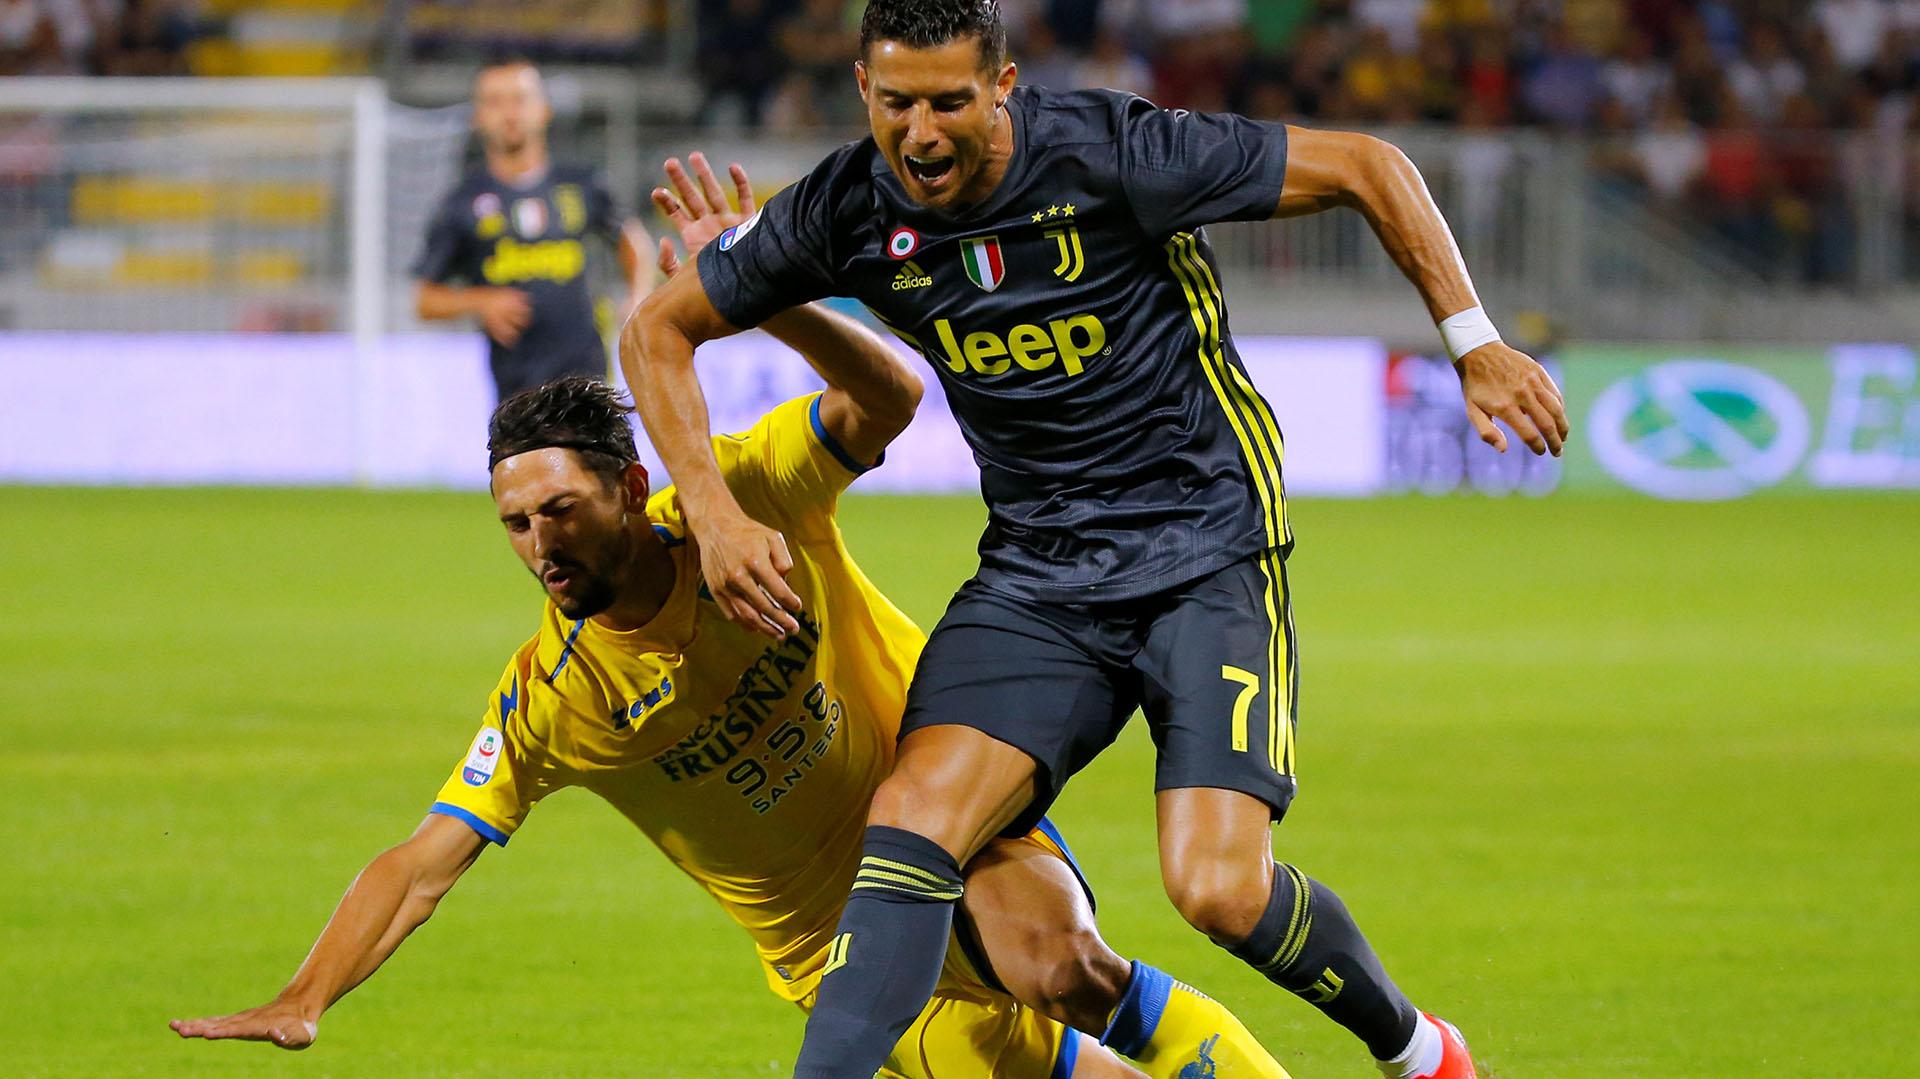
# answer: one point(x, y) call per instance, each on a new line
point(749, 762)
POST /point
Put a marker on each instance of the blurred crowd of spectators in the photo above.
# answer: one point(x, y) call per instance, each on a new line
point(94, 37)
point(1562, 64)
point(1729, 111)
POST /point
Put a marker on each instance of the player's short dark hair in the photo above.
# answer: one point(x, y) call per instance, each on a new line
point(505, 58)
point(578, 413)
point(929, 24)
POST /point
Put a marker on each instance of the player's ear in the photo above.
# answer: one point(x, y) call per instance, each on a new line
point(637, 486)
point(860, 75)
point(1003, 85)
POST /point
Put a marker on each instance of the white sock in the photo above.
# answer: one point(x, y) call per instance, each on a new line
point(1420, 1057)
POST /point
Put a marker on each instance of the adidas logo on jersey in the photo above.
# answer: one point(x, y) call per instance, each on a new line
point(911, 277)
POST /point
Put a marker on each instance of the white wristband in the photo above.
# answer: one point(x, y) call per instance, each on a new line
point(1467, 331)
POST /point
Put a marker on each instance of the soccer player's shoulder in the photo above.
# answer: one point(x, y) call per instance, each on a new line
point(1077, 116)
point(843, 181)
point(573, 172)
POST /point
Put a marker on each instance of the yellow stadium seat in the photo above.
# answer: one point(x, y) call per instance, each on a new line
point(283, 204)
point(268, 268)
point(214, 58)
point(298, 59)
point(164, 268)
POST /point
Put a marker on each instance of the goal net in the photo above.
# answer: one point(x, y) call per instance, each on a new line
point(214, 205)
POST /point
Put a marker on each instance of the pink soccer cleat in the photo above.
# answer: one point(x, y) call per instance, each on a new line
point(1455, 1061)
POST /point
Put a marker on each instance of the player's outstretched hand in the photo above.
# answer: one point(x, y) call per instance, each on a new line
point(698, 207)
point(283, 1023)
point(746, 564)
point(504, 314)
point(1503, 383)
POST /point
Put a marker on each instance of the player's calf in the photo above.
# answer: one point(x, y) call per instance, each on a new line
point(1306, 942)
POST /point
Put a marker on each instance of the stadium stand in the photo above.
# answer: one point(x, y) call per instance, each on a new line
point(1581, 147)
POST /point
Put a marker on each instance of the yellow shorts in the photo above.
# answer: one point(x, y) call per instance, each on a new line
point(970, 1030)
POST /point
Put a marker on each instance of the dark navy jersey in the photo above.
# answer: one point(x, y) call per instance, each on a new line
point(531, 238)
point(1076, 320)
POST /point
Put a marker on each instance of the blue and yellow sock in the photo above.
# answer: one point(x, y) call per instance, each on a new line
point(885, 958)
point(1174, 1031)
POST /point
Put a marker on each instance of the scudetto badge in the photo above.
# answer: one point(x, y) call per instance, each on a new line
point(903, 243)
point(483, 758)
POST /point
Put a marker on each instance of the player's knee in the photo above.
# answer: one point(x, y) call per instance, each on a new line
point(899, 803)
point(1079, 980)
point(1221, 902)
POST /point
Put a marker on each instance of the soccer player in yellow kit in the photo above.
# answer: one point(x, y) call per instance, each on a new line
point(749, 764)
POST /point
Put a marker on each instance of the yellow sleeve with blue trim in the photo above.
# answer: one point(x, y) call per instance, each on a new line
point(507, 769)
point(788, 468)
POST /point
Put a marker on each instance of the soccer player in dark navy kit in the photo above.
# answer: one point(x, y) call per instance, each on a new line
point(1042, 251)
point(508, 246)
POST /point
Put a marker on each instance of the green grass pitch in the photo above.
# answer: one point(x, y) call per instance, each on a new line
point(1622, 788)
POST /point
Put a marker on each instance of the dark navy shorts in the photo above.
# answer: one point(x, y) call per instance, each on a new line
point(1210, 663)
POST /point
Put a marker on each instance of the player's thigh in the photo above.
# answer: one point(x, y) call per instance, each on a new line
point(1220, 673)
point(1025, 675)
point(1027, 922)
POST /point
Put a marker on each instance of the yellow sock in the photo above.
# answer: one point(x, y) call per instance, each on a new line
point(1173, 1031)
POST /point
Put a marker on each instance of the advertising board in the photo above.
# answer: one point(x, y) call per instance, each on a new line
point(1703, 423)
point(305, 409)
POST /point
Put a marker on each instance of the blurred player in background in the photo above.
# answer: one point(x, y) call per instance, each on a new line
point(1044, 252)
point(507, 247)
point(750, 764)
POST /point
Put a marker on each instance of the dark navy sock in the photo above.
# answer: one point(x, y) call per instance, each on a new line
point(1307, 944)
point(885, 958)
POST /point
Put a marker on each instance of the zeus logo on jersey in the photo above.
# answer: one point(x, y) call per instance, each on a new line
point(626, 717)
point(1068, 341)
point(483, 758)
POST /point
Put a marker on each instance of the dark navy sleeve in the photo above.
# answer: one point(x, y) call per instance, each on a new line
point(778, 258)
point(440, 254)
point(604, 215)
point(1182, 170)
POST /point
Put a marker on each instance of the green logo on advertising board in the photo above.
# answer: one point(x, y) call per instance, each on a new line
point(1706, 422)
point(1698, 429)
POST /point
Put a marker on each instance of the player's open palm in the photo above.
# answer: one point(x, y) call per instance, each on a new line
point(698, 207)
point(1505, 384)
point(745, 564)
point(280, 1022)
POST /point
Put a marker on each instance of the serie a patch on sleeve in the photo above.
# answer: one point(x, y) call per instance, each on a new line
point(484, 757)
point(738, 232)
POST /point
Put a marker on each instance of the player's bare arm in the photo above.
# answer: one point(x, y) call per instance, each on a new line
point(632, 252)
point(1326, 169)
point(392, 897)
point(503, 313)
point(871, 396)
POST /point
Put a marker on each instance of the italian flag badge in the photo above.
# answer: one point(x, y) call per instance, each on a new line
point(984, 264)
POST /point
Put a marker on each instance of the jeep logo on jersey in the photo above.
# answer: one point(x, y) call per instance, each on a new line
point(483, 758)
point(1066, 340)
point(983, 262)
point(732, 236)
